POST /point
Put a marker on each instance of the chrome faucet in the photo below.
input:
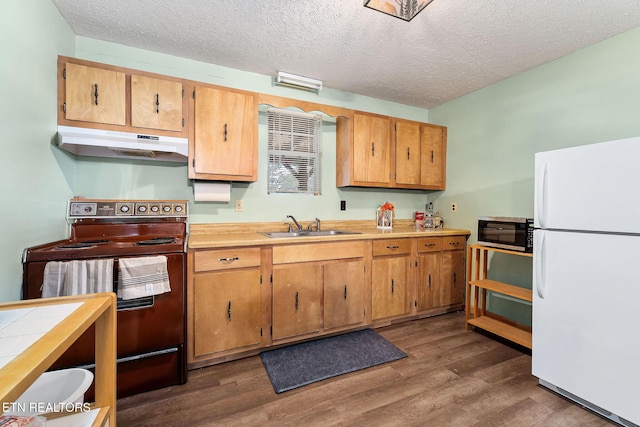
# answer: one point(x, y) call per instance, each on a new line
point(298, 226)
point(316, 222)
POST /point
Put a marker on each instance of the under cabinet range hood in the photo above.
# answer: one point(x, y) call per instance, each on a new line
point(122, 145)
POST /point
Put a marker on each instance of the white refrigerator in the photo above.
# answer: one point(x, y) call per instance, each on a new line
point(586, 278)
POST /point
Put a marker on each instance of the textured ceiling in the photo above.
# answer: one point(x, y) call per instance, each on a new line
point(453, 47)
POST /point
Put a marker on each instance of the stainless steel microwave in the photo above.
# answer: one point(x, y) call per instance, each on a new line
point(515, 234)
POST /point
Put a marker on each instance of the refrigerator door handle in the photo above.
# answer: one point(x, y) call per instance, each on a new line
point(539, 262)
point(542, 191)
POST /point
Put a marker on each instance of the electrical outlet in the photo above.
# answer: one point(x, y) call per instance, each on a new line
point(239, 205)
point(454, 207)
point(343, 205)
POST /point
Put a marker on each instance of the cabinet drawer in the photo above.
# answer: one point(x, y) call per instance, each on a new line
point(391, 247)
point(451, 243)
point(429, 244)
point(224, 259)
point(317, 252)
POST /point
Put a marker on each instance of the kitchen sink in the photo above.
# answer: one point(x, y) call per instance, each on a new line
point(303, 233)
point(330, 232)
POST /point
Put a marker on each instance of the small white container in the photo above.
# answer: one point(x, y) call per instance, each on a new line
point(53, 389)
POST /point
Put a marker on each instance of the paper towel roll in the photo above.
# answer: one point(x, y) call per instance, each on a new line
point(211, 191)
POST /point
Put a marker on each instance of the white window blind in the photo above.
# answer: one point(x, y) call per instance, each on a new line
point(294, 152)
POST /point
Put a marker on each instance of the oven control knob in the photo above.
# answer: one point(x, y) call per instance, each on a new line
point(155, 208)
point(124, 208)
point(166, 208)
point(88, 209)
point(178, 208)
point(142, 209)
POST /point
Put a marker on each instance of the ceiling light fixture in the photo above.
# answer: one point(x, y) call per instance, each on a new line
point(298, 82)
point(403, 9)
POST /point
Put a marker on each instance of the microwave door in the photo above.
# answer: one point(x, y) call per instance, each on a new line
point(501, 233)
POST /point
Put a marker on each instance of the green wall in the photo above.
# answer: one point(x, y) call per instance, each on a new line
point(100, 178)
point(589, 96)
point(36, 180)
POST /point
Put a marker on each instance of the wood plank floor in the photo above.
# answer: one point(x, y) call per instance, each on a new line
point(452, 377)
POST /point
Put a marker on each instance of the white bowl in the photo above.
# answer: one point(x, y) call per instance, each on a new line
point(53, 389)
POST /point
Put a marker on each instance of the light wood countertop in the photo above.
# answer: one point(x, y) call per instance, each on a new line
point(203, 236)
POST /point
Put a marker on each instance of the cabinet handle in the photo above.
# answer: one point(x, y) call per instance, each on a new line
point(431, 156)
point(373, 149)
point(429, 280)
point(297, 300)
point(393, 286)
point(345, 291)
point(157, 103)
point(225, 132)
point(95, 93)
point(229, 311)
point(408, 153)
point(235, 258)
point(394, 247)
point(454, 243)
point(454, 278)
point(429, 245)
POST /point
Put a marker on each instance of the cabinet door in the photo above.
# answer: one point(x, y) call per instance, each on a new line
point(225, 133)
point(371, 149)
point(297, 295)
point(226, 311)
point(344, 294)
point(156, 103)
point(428, 281)
point(407, 152)
point(389, 287)
point(94, 95)
point(453, 272)
point(432, 154)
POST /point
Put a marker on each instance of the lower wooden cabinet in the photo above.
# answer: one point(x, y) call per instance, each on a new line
point(242, 300)
point(224, 302)
point(453, 270)
point(345, 295)
point(390, 275)
point(428, 279)
point(317, 287)
point(297, 298)
point(440, 275)
point(226, 311)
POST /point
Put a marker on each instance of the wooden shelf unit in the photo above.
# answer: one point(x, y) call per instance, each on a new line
point(23, 369)
point(476, 293)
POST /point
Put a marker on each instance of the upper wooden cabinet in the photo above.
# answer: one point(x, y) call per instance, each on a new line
point(433, 157)
point(363, 150)
point(224, 139)
point(99, 96)
point(371, 149)
point(156, 103)
point(94, 95)
point(420, 155)
point(381, 151)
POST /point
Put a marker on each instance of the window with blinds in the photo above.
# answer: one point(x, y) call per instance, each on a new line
point(294, 152)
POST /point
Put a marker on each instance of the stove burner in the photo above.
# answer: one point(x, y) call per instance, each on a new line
point(156, 241)
point(81, 245)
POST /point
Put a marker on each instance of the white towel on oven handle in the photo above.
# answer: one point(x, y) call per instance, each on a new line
point(77, 277)
point(142, 276)
point(53, 279)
